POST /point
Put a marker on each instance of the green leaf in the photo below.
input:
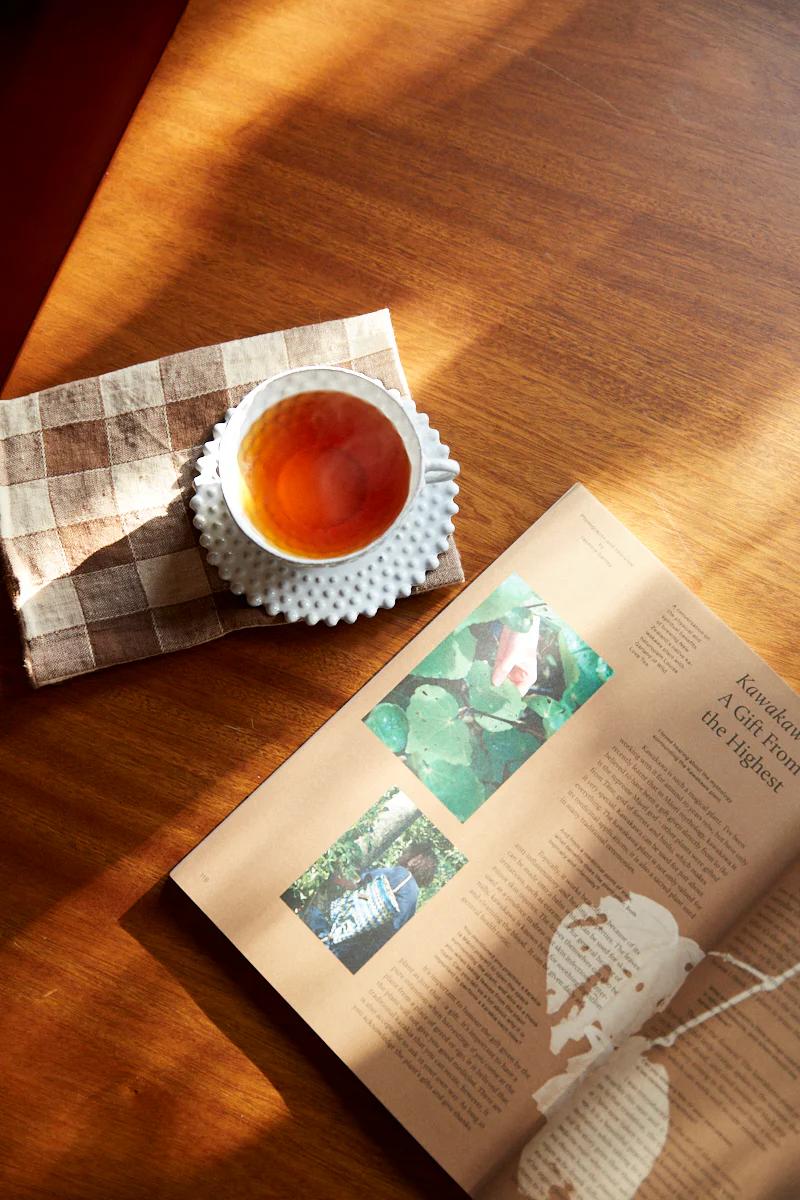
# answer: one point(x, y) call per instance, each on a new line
point(498, 755)
point(510, 594)
point(390, 724)
point(569, 663)
point(518, 619)
point(508, 750)
point(451, 659)
point(558, 714)
point(487, 770)
point(435, 729)
point(581, 669)
point(569, 640)
point(553, 712)
point(502, 700)
point(456, 786)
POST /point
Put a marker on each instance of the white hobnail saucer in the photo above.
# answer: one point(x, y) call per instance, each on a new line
point(329, 592)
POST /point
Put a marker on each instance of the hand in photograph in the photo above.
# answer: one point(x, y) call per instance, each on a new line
point(517, 658)
point(488, 696)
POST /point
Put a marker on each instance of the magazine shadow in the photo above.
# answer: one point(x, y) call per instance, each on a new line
point(81, 704)
point(252, 1015)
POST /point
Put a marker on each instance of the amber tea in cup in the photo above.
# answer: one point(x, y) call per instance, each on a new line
point(323, 474)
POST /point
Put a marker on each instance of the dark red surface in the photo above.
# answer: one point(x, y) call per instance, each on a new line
point(71, 75)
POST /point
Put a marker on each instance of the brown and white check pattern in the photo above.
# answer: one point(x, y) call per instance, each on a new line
point(102, 560)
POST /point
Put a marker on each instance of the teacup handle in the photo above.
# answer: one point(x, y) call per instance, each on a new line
point(439, 470)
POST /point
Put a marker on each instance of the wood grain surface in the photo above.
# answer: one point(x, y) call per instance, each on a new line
point(583, 215)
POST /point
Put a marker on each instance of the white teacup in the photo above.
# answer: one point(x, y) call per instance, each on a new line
point(322, 379)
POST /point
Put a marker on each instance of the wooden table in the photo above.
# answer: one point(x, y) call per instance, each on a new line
point(584, 218)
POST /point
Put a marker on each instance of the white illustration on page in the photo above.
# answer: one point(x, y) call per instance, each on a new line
point(609, 969)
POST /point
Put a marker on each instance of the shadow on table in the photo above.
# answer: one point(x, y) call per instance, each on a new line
point(576, 274)
point(148, 718)
point(504, 193)
point(312, 1082)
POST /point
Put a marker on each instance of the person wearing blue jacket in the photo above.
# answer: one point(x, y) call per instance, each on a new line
point(415, 869)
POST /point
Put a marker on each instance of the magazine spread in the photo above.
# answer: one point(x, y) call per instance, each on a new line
point(538, 883)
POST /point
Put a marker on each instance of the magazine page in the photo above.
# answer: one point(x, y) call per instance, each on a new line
point(507, 851)
point(704, 1101)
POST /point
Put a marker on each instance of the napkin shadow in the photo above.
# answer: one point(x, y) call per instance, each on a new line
point(315, 1085)
point(128, 596)
point(103, 615)
point(13, 680)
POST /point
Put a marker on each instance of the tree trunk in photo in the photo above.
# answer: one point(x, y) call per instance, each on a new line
point(395, 815)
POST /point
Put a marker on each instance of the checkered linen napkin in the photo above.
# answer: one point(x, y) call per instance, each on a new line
point(96, 539)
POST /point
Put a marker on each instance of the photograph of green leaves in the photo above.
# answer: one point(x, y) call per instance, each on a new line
point(502, 683)
point(373, 879)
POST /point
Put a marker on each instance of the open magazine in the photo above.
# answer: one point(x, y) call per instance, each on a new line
point(539, 886)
